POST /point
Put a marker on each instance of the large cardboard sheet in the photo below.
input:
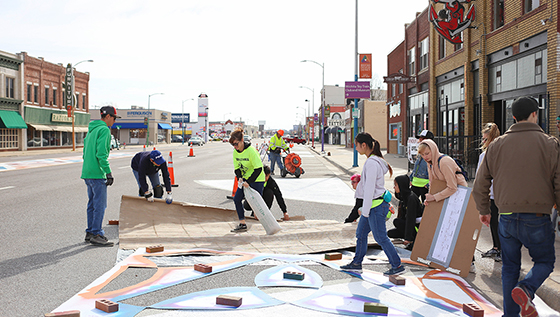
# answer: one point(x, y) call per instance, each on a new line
point(448, 232)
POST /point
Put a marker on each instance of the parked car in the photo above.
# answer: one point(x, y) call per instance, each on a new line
point(115, 143)
point(196, 140)
point(176, 138)
point(246, 138)
point(295, 139)
point(160, 138)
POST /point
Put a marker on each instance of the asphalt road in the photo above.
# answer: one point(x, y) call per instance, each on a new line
point(44, 259)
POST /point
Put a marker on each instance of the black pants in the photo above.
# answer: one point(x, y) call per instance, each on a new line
point(420, 192)
point(398, 231)
point(494, 217)
point(354, 213)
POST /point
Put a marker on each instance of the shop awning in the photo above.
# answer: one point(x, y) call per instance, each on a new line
point(64, 128)
point(164, 126)
point(128, 125)
point(11, 120)
point(335, 130)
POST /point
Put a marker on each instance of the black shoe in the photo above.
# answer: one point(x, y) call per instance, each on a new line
point(100, 241)
point(490, 253)
point(89, 235)
point(352, 267)
point(240, 228)
point(409, 246)
point(498, 257)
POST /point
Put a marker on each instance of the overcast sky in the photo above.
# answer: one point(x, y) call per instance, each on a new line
point(245, 55)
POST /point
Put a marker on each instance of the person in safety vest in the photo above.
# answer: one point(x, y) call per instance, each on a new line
point(275, 147)
point(419, 182)
point(148, 164)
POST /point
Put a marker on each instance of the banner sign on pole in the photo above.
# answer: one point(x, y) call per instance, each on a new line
point(68, 89)
point(365, 66)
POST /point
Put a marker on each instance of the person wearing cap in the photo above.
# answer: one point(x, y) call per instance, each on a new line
point(524, 164)
point(276, 145)
point(148, 164)
point(97, 175)
point(419, 180)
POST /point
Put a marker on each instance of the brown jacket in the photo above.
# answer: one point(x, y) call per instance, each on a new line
point(446, 170)
point(524, 164)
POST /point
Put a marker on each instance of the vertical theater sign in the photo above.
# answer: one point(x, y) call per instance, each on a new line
point(453, 19)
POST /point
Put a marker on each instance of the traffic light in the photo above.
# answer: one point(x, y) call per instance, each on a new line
point(146, 121)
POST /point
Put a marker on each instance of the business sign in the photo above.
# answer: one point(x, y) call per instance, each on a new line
point(450, 21)
point(139, 113)
point(394, 109)
point(412, 145)
point(60, 117)
point(180, 117)
point(365, 66)
point(68, 87)
point(202, 105)
point(398, 78)
point(357, 90)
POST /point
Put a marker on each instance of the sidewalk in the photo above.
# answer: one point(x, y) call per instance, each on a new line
point(488, 276)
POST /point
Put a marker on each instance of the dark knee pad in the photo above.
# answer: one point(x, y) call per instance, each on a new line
point(158, 191)
point(246, 205)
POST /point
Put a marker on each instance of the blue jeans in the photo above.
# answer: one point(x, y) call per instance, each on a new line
point(154, 179)
point(97, 203)
point(239, 195)
point(536, 234)
point(275, 158)
point(375, 221)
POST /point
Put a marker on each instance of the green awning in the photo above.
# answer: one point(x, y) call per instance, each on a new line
point(11, 120)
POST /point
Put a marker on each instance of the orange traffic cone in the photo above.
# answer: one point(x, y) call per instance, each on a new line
point(191, 152)
point(170, 169)
point(154, 148)
point(291, 145)
point(234, 190)
point(144, 150)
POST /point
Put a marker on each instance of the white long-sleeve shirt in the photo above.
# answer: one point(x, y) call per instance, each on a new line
point(373, 179)
point(478, 166)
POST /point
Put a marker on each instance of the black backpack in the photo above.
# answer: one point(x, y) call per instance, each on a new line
point(459, 163)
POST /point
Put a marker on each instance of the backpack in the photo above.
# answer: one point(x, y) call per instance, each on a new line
point(459, 163)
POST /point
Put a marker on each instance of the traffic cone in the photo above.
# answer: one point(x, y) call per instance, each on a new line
point(291, 145)
point(191, 152)
point(234, 190)
point(170, 169)
point(154, 148)
point(144, 150)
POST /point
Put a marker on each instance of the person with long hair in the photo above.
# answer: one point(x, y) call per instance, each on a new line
point(375, 208)
point(249, 172)
point(489, 133)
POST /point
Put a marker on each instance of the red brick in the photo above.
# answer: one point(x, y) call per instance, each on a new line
point(113, 222)
point(397, 280)
point(294, 275)
point(203, 268)
point(229, 300)
point(68, 313)
point(106, 305)
point(333, 256)
point(473, 310)
point(154, 248)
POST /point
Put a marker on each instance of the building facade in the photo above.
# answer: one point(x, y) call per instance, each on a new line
point(12, 125)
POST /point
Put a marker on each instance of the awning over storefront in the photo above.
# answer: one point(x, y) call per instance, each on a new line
point(164, 126)
point(11, 120)
point(128, 125)
point(63, 128)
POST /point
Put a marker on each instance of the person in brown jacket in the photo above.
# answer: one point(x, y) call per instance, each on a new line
point(525, 166)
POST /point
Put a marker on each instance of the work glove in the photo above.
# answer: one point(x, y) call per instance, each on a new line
point(240, 183)
point(169, 198)
point(110, 179)
point(149, 197)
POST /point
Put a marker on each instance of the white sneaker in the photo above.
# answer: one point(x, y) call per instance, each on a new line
point(473, 268)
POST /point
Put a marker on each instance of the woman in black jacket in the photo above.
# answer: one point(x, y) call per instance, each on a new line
point(410, 208)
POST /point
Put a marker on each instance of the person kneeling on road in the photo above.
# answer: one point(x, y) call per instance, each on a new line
point(271, 190)
point(148, 164)
point(409, 211)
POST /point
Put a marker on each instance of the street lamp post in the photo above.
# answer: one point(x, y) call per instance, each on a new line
point(148, 121)
point(183, 118)
point(309, 114)
point(322, 103)
point(73, 95)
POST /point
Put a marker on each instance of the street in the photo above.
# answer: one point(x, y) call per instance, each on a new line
point(43, 217)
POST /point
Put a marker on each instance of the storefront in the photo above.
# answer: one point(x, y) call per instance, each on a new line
point(12, 126)
point(53, 128)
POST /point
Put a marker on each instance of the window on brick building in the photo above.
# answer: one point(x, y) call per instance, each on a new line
point(393, 89)
point(423, 47)
point(77, 100)
point(498, 14)
point(36, 94)
point(411, 61)
point(28, 93)
point(46, 96)
point(441, 47)
point(84, 102)
point(530, 5)
point(54, 96)
point(10, 87)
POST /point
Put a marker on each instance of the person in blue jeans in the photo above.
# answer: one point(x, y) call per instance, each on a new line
point(275, 147)
point(375, 208)
point(149, 164)
point(523, 165)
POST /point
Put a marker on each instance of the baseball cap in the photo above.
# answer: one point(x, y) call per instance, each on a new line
point(281, 132)
point(156, 156)
point(523, 107)
point(426, 135)
point(110, 110)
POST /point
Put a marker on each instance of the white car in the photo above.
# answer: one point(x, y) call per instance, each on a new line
point(196, 140)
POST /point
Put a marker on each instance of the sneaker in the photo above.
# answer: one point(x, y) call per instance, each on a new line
point(498, 257)
point(240, 228)
point(89, 235)
point(473, 268)
point(522, 299)
point(99, 240)
point(490, 253)
point(352, 267)
point(394, 271)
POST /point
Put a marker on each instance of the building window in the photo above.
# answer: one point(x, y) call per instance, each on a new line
point(46, 96)
point(400, 89)
point(84, 102)
point(77, 101)
point(393, 89)
point(54, 96)
point(441, 46)
point(10, 87)
point(9, 138)
point(28, 93)
point(498, 14)
point(423, 47)
point(394, 131)
point(411, 61)
point(36, 94)
point(530, 5)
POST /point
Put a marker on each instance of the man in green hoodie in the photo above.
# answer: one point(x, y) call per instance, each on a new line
point(96, 173)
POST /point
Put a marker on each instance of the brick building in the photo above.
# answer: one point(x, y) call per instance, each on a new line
point(48, 122)
point(12, 126)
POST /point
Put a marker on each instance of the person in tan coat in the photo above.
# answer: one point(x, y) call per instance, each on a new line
point(440, 167)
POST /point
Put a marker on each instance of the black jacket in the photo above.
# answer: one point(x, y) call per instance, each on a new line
point(410, 206)
point(142, 164)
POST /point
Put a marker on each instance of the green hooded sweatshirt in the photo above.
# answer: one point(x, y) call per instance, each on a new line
point(97, 145)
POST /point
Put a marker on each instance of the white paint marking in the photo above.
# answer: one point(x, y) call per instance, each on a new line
point(7, 187)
